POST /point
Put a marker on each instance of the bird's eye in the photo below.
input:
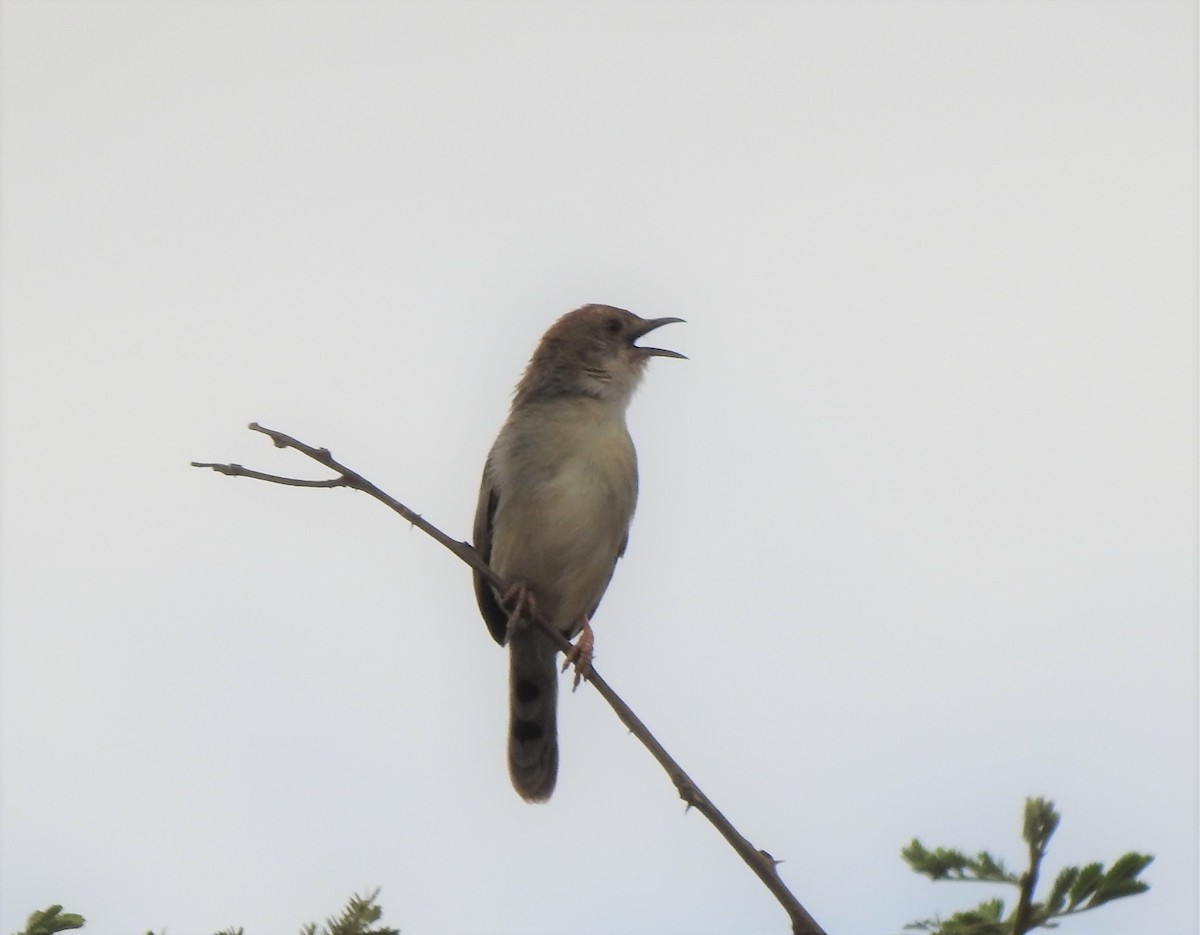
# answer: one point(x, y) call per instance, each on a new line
point(613, 325)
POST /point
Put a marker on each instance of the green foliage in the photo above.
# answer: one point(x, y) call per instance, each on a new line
point(1075, 889)
point(49, 921)
point(986, 919)
point(360, 914)
point(945, 864)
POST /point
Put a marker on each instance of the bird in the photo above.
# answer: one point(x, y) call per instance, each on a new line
point(558, 494)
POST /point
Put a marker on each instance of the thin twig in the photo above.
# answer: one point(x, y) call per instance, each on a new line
point(758, 860)
point(236, 470)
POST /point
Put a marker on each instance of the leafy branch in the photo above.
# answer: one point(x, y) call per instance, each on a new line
point(51, 920)
point(759, 861)
point(360, 914)
point(1075, 890)
point(358, 918)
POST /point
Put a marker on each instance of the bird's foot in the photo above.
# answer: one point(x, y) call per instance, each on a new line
point(581, 654)
point(518, 601)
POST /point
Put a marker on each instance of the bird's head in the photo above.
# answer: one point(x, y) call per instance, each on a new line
point(592, 352)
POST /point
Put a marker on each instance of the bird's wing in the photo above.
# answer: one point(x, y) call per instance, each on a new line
point(493, 614)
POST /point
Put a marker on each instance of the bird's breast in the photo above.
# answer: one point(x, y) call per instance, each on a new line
point(567, 484)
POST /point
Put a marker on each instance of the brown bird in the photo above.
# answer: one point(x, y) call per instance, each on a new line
point(558, 494)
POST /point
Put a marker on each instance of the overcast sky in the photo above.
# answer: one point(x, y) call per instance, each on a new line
point(917, 535)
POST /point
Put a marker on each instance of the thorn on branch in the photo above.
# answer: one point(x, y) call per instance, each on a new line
point(687, 791)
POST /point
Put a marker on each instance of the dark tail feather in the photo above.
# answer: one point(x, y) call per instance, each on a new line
point(533, 699)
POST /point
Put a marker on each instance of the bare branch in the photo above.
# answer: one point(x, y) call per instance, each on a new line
point(236, 470)
point(763, 865)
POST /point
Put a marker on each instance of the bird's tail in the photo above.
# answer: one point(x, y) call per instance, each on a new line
point(533, 699)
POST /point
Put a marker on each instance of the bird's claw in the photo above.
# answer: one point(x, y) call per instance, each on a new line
point(580, 654)
point(518, 601)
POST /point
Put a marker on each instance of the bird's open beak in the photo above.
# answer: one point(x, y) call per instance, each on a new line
point(645, 328)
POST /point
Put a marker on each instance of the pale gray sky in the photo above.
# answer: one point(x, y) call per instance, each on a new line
point(918, 524)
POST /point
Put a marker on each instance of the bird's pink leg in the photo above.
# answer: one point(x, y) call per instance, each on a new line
point(518, 601)
point(581, 654)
